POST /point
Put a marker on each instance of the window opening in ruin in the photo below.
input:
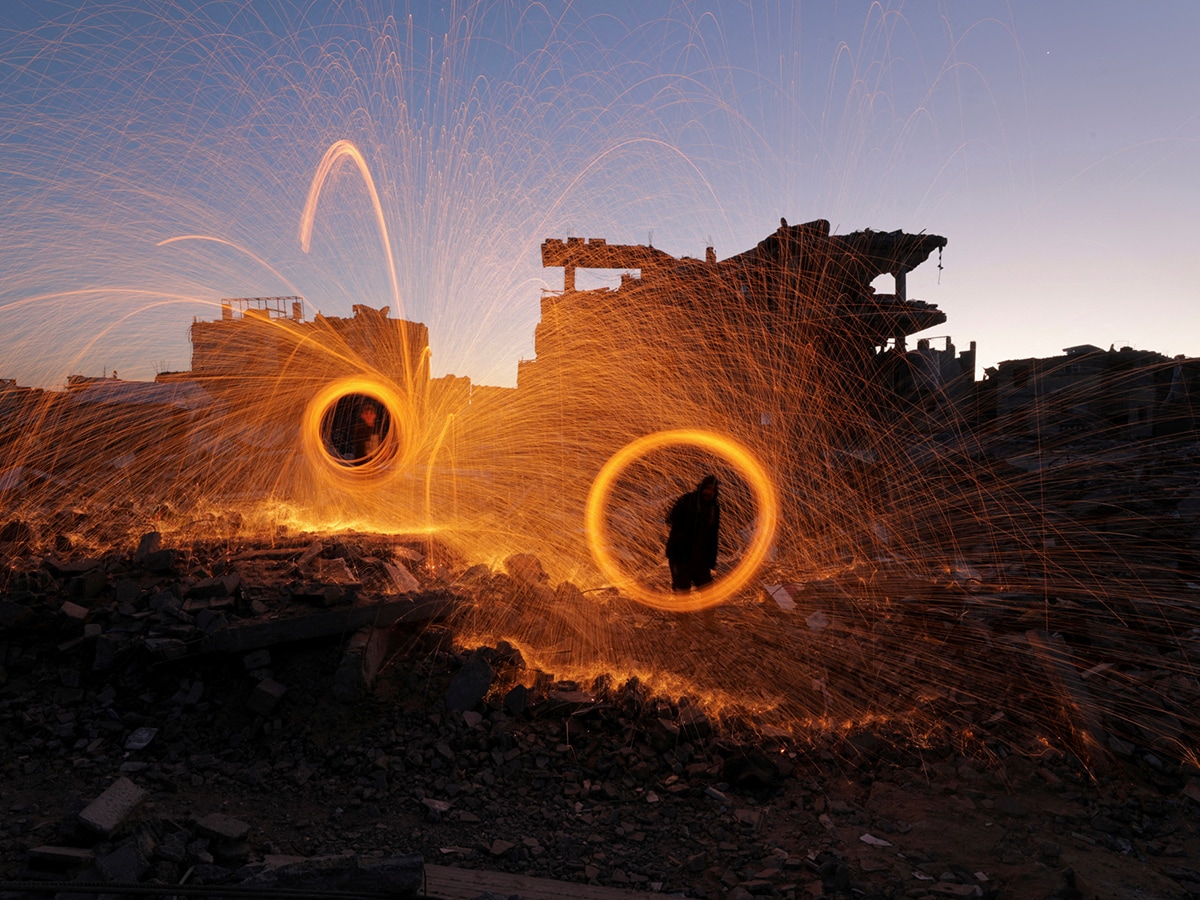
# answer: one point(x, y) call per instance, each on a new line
point(596, 279)
point(884, 284)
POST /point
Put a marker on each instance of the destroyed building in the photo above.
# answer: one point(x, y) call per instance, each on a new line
point(799, 285)
point(1117, 394)
point(264, 363)
point(269, 337)
point(779, 348)
point(785, 343)
point(800, 347)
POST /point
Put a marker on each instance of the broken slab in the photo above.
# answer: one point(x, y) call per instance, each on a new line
point(315, 549)
point(365, 656)
point(218, 586)
point(105, 814)
point(398, 876)
point(782, 596)
point(61, 857)
point(335, 571)
point(222, 827)
point(243, 637)
point(401, 579)
point(66, 568)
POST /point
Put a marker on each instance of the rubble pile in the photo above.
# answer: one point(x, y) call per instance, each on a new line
point(216, 714)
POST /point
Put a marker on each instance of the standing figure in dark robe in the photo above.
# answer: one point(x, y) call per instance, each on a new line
point(695, 521)
point(366, 434)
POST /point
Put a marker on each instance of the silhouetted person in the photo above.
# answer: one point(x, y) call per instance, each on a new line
point(695, 521)
point(366, 434)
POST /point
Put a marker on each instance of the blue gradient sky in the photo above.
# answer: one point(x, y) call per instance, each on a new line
point(1057, 146)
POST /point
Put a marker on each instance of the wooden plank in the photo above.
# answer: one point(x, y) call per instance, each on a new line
point(453, 883)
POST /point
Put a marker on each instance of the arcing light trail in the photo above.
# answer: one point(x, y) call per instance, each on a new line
point(339, 151)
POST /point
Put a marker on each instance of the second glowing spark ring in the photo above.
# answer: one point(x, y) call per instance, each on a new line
point(727, 448)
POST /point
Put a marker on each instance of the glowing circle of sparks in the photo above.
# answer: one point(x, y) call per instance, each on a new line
point(387, 462)
point(734, 453)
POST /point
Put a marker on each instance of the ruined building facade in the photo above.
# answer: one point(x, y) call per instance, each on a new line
point(1116, 394)
point(268, 337)
point(780, 336)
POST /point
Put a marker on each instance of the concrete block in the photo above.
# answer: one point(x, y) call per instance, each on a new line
point(74, 610)
point(266, 697)
point(259, 659)
point(223, 827)
point(105, 814)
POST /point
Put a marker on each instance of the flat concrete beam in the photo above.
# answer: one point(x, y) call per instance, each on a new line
point(243, 637)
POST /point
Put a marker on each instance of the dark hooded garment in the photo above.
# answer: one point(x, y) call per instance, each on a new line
point(692, 542)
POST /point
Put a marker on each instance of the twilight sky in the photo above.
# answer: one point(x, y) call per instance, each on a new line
point(1056, 146)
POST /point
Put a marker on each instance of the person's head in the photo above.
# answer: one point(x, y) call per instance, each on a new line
point(708, 488)
point(368, 415)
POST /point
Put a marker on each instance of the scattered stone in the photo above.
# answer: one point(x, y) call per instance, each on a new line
point(500, 848)
point(74, 611)
point(150, 542)
point(526, 568)
point(615, 783)
point(141, 738)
